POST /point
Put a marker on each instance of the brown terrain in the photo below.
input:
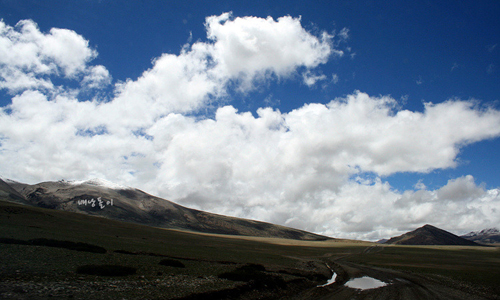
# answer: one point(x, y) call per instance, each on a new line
point(60, 254)
point(430, 235)
point(133, 205)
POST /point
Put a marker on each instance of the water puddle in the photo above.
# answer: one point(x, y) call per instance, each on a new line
point(330, 281)
point(365, 283)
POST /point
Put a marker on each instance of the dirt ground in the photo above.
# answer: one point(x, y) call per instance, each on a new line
point(400, 285)
point(286, 269)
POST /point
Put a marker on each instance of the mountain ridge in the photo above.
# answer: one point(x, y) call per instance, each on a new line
point(105, 199)
point(10, 193)
point(485, 236)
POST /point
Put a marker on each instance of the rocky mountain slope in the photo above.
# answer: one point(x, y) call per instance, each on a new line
point(10, 194)
point(485, 236)
point(430, 235)
point(105, 199)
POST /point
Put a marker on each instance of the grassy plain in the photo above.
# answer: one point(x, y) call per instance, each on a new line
point(272, 268)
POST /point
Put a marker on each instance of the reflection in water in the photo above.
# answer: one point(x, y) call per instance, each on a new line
point(365, 283)
point(330, 281)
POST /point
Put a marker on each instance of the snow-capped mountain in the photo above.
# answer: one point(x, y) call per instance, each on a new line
point(485, 236)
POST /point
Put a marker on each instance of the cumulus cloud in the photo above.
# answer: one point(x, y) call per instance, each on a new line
point(28, 56)
point(251, 47)
point(97, 77)
point(239, 52)
point(304, 169)
point(461, 204)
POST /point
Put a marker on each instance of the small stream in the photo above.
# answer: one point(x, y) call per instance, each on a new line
point(330, 281)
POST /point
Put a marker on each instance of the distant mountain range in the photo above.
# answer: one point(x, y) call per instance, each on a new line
point(430, 235)
point(485, 236)
point(105, 199)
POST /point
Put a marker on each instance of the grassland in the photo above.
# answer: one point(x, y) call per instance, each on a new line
point(220, 266)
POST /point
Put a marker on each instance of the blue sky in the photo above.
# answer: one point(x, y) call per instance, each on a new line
point(413, 53)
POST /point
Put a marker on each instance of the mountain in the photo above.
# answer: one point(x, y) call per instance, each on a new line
point(105, 199)
point(429, 235)
point(485, 236)
point(10, 194)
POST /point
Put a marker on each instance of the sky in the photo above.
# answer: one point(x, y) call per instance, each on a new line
point(353, 119)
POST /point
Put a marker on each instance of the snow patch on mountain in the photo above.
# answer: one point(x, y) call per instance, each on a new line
point(489, 231)
point(100, 182)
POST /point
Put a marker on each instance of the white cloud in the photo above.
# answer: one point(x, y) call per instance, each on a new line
point(97, 77)
point(250, 47)
point(459, 205)
point(286, 168)
point(420, 185)
point(374, 210)
point(28, 57)
point(176, 83)
point(344, 33)
point(240, 50)
point(310, 79)
point(293, 168)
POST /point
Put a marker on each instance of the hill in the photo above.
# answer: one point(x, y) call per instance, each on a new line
point(485, 236)
point(54, 254)
point(105, 199)
point(430, 235)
